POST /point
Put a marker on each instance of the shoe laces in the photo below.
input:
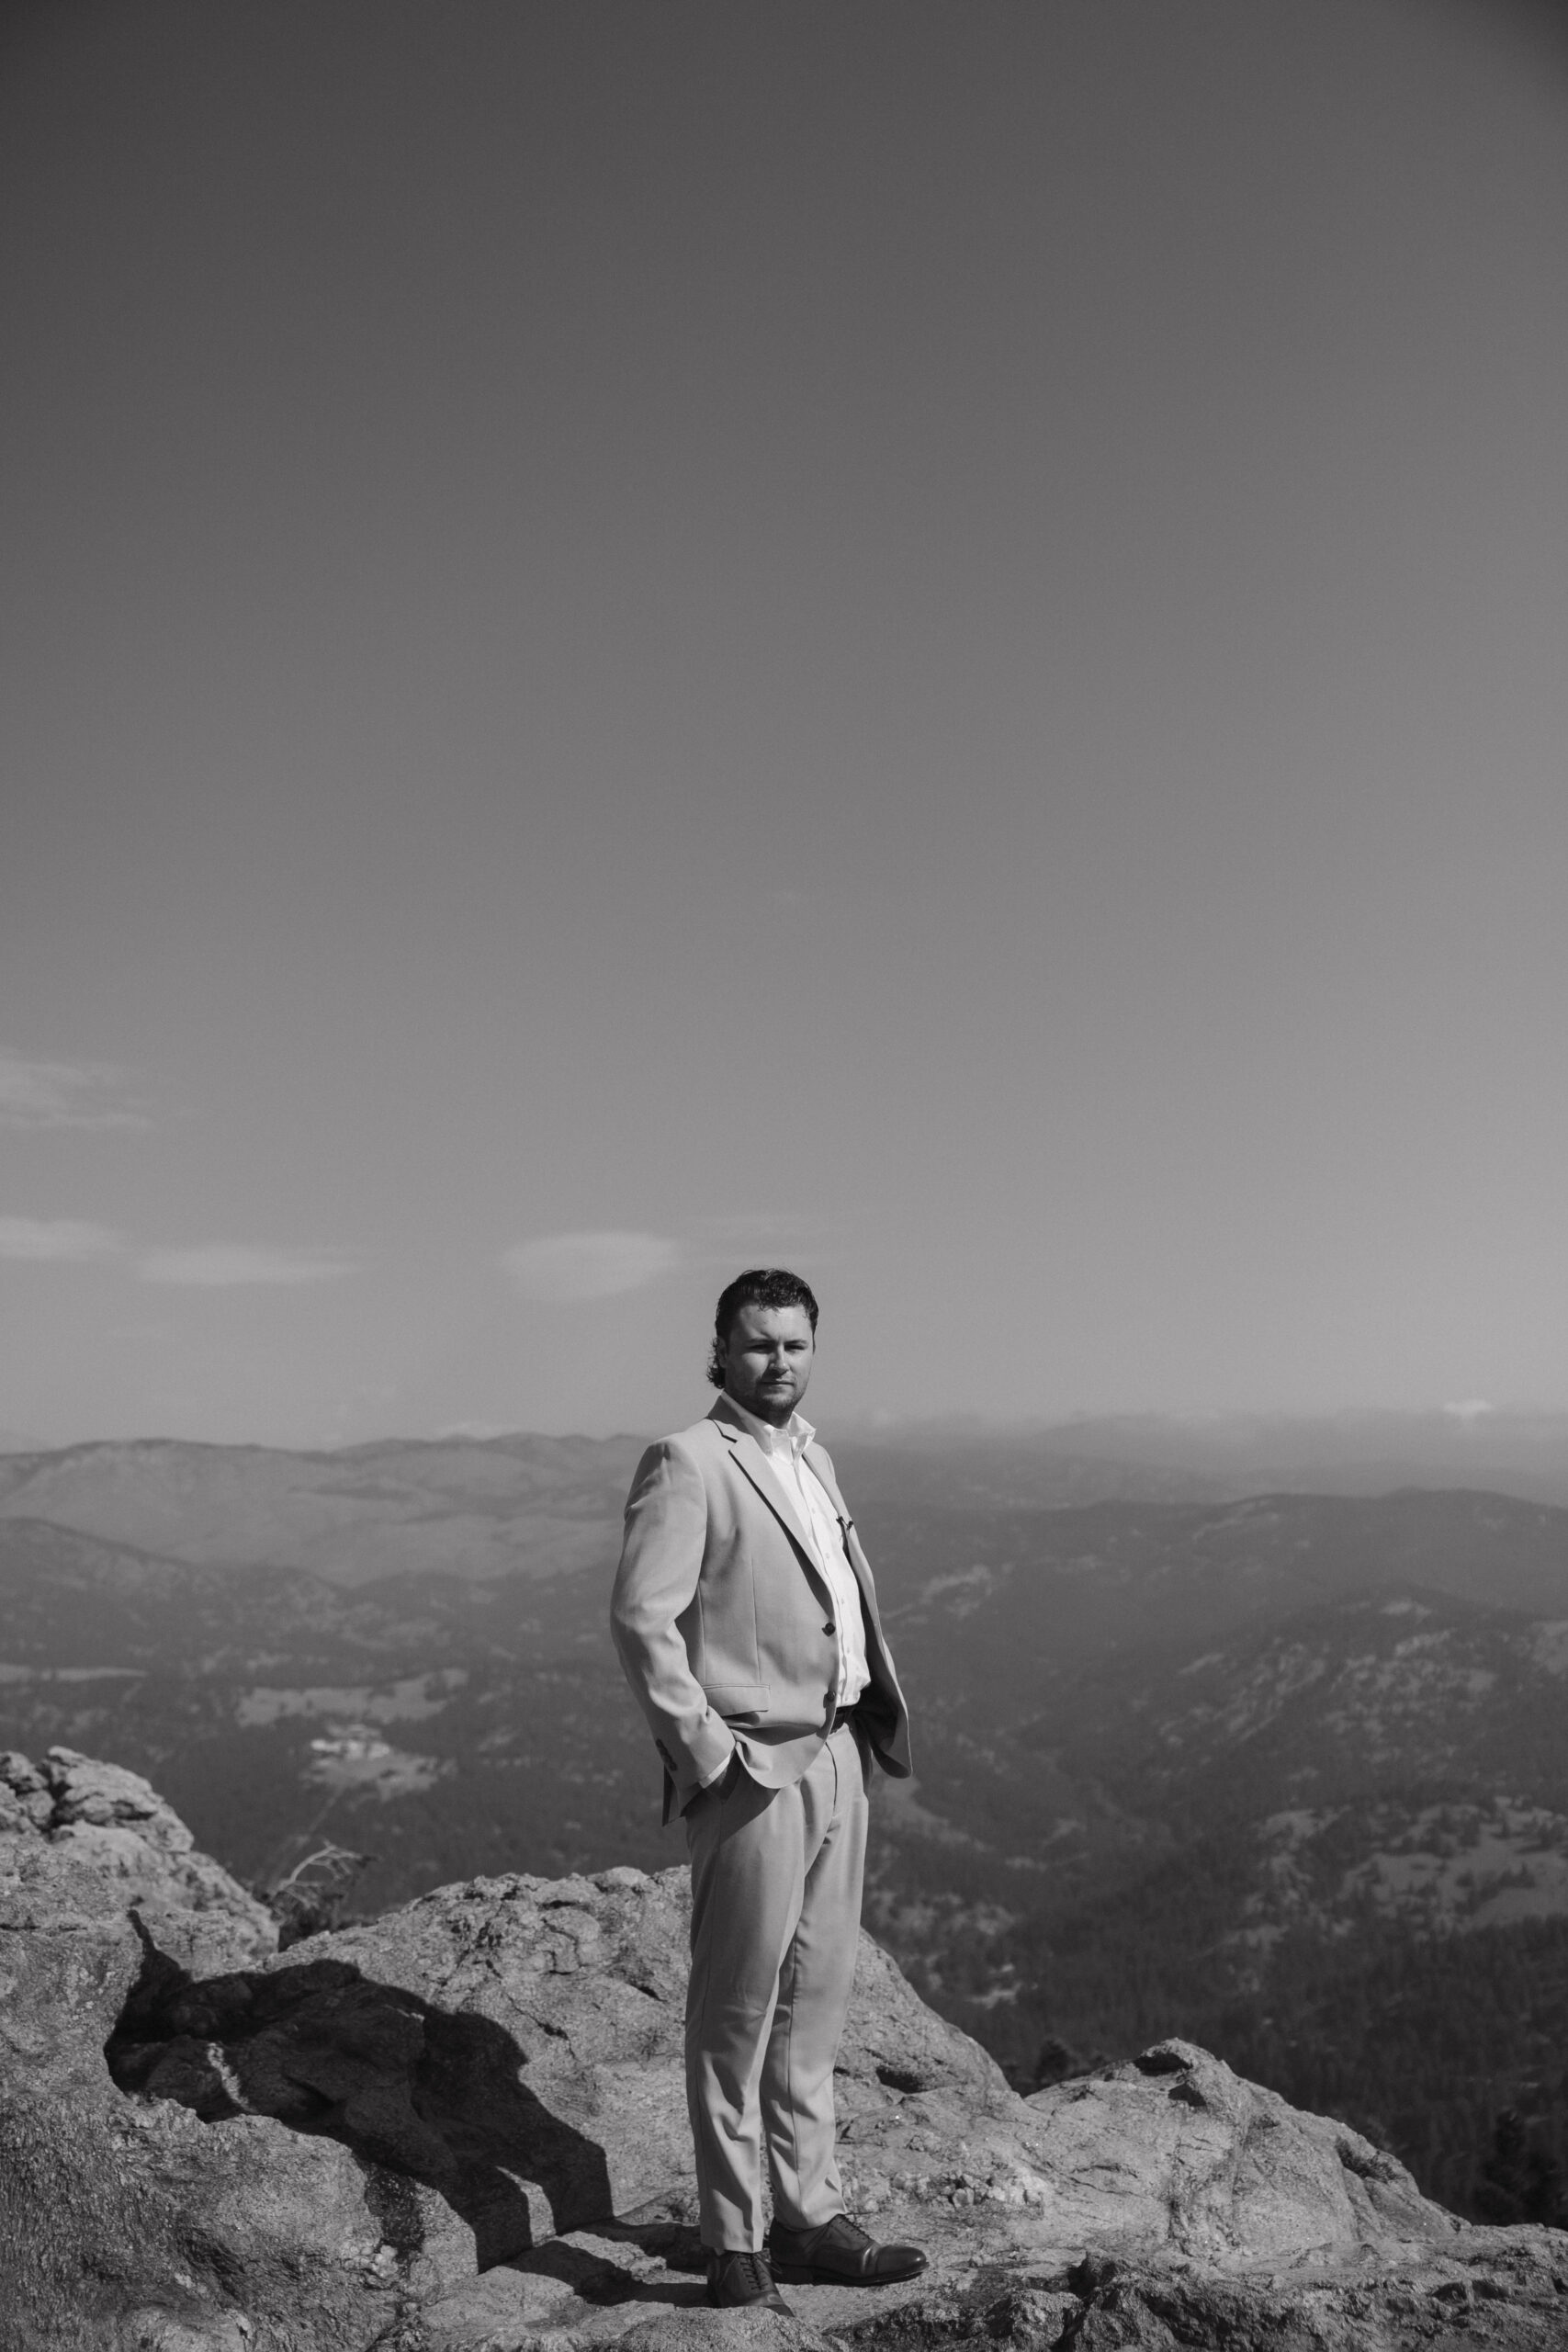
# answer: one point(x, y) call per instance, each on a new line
point(753, 2270)
point(847, 2233)
point(841, 2232)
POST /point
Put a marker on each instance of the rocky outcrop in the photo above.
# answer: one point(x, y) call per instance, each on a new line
point(461, 2129)
point(113, 1824)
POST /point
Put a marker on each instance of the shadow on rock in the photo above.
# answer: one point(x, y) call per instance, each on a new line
point(596, 2280)
point(412, 2090)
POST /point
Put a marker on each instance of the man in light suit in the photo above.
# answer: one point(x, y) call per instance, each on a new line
point(746, 1620)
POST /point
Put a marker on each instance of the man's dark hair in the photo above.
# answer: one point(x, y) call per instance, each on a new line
point(757, 1286)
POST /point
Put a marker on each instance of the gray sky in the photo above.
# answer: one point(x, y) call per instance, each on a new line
point(923, 640)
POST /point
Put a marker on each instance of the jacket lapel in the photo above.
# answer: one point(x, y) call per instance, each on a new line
point(750, 1457)
point(852, 1553)
point(825, 1480)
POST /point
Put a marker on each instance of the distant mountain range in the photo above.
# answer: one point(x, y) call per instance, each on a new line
point(1217, 1457)
point(482, 1507)
point(1285, 1772)
point(528, 1505)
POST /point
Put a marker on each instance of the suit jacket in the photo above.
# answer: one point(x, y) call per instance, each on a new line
point(724, 1621)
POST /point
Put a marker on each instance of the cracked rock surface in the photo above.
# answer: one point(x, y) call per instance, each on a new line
point(113, 1824)
point(461, 2129)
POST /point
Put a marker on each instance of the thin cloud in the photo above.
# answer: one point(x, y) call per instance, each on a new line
point(64, 1094)
point(56, 1241)
point(564, 1266)
point(231, 1265)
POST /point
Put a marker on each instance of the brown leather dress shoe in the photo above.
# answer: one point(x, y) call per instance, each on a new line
point(840, 2255)
point(743, 2282)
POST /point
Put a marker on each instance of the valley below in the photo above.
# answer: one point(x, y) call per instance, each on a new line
point(1283, 1774)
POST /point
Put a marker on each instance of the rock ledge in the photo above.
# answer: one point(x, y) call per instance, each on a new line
point(462, 2129)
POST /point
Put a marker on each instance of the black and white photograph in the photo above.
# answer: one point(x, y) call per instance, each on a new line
point(783, 1175)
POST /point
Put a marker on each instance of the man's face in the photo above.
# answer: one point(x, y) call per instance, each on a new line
point(767, 1361)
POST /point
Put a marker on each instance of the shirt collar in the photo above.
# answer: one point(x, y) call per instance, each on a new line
point(794, 1438)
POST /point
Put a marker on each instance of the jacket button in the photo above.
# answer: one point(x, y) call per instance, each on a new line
point(829, 1627)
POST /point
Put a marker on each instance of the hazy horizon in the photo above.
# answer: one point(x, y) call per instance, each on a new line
point(1493, 1437)
point(924, 643)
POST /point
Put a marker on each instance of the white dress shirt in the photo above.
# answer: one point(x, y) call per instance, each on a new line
point(813, 1506)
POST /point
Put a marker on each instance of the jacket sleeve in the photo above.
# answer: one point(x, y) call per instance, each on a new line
point(661, 1560)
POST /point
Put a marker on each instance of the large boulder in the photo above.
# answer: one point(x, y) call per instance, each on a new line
point(125, 2223)
point(115, 1826)
point(461, 2129)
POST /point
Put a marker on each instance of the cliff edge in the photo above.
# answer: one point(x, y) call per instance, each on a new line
point(461, 2129)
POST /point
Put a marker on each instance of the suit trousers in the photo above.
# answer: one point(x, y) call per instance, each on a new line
point(775, 1921)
